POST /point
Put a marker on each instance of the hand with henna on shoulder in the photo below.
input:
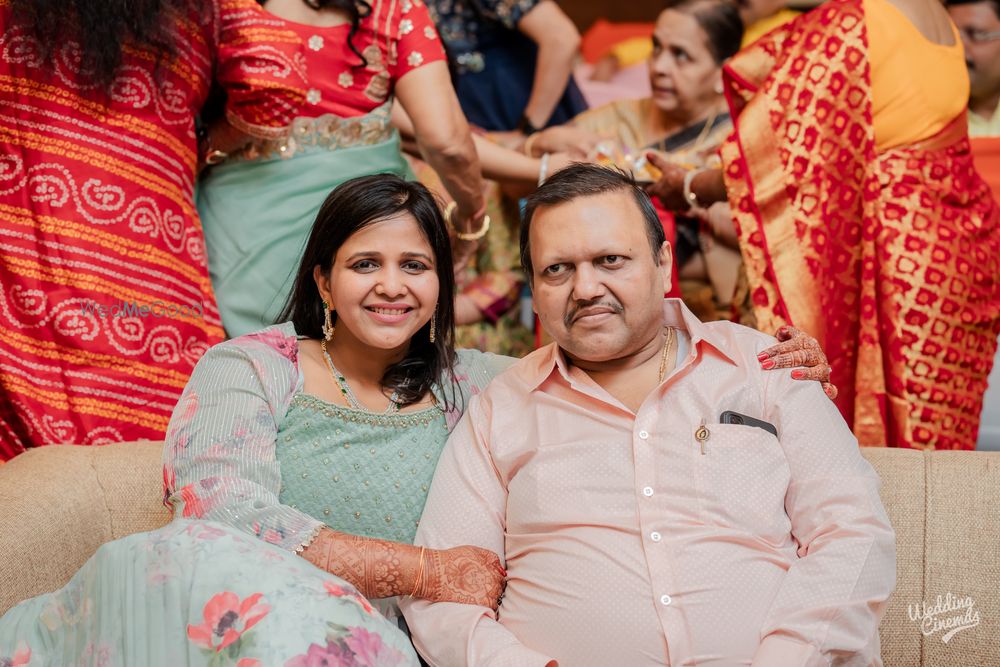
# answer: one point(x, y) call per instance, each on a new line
point(797, 349)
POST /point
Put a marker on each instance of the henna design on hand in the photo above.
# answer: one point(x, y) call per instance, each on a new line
point(798, 349)
point(381, 569)
point(468, 575)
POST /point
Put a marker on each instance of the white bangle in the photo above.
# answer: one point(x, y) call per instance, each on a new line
point(543, 170)
point(465, 236)
point(690, 197)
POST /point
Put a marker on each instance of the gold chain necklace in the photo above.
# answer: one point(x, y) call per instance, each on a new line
point(669, 348)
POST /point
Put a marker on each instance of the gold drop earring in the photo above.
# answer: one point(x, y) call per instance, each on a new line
point(328, 327)
point(434, 320)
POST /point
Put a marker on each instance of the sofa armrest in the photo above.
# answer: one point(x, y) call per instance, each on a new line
point(58, 504)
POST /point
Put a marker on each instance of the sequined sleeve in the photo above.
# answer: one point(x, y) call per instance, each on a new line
point(416, 41)
point(261, 68)
point(219, 457)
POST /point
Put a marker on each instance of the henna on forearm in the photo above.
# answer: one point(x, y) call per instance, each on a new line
point(377, 568)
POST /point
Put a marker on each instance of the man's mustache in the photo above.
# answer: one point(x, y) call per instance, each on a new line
point(572, 315)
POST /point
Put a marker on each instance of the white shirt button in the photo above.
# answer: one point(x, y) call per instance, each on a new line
point(656, 537)
point(643, 435)
point(648, 491)
point(665, 600)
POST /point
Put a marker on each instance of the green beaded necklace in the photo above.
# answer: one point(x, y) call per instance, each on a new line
point(345, 388)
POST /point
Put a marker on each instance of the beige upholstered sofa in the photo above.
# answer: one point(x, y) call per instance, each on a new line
point(58, 504)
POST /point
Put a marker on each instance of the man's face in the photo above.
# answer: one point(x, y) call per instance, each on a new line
point(982, 57)
point(597, 289)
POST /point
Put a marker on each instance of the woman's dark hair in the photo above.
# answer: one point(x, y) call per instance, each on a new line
point(103, 29)
point(586, 180)
point(356, 9)
point(720, 19)
point(351, 207)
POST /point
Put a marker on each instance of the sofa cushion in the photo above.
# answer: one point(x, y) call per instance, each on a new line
point(60, 503)
point(962, 554)
point(902, 474)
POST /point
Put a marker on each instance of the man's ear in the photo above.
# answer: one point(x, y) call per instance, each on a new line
point(666, 265)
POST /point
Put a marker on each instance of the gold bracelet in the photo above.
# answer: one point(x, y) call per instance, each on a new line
point(526, 147)
point(420, 573)
point(465, 236)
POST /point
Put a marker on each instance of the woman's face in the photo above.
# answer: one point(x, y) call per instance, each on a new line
point(682, 72)
point(383, 283)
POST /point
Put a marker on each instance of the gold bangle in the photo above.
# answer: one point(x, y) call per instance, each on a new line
point(526, 147)
point(475, 236)
point(465, 236)
point(420, 573)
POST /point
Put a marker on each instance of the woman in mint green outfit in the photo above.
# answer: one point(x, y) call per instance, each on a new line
point(258, 202)
point(297, 463)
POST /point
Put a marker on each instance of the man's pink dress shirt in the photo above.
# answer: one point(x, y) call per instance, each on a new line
point(629, 544)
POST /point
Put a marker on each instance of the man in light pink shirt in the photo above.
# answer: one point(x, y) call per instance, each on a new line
point(637, 529)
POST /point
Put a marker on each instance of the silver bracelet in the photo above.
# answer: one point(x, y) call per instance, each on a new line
point(690, 197)
point(543, 170)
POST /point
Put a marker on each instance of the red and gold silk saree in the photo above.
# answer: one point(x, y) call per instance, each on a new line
point(891, 259)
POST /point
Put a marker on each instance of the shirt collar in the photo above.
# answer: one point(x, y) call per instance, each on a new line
point(542, 363)
point(984, 127)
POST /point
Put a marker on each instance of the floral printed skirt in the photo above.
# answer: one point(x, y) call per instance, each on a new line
point(201, 593)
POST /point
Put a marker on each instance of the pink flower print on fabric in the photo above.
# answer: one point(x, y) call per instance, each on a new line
point(21, 657)
point(226, 619)
point(193, 505)
point(267, 534)
point(287, 346)
point(184, 418)
point(347, 592)
point(204, 531)
point(370, 651)
point(331, 655)
point(169, 482)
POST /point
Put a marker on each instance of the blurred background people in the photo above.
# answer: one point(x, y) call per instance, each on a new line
point(860, 213)
point(979, 25)
point(105, 300)
point(512, 61)
point(259, 202)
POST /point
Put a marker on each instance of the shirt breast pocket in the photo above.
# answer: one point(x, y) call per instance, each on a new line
point(742, 480)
